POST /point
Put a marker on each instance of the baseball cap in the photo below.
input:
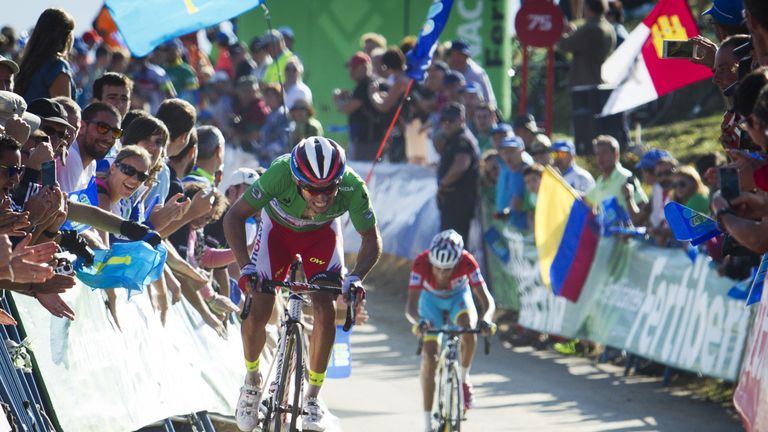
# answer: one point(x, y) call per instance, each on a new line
point(10, 63)
point(504, 128)
point(460, 46)
point(12, 104)
point(452, 111)
point(48, 109)
point(241, 176)
point(92, 37)
point(563, 146)
point(727, 12)
point(512, 142)
point(526, 121)
point(358, 58)
point(651, 157)
point(540, 144)
point(287, 32)
point(80, 47)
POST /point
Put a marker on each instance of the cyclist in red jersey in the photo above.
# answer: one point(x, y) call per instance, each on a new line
point(443, 279)
point(300, 198)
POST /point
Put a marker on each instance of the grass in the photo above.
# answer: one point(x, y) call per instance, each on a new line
point(686, 140)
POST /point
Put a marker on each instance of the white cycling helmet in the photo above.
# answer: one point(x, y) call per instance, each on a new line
point(446, 248)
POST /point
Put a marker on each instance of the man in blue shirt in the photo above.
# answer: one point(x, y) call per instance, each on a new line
point(510, 187)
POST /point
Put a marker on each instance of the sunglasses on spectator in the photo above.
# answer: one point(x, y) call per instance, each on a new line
point(327, 191)
point(51, 131)
point(13, 170)
point(41, 139)
point(104, 128)
point(131, 171)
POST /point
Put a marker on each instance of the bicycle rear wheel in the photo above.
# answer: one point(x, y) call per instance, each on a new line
point(453, 403)
point(288, 397)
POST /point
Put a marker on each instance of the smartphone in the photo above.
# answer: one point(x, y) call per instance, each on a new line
point(48, 173)
point(677, 49)
point(729, 183)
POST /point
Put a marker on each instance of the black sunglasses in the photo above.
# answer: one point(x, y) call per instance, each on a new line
point(131, 171)
point(328, 190)
point(51, 131)
point(13, 170)
point(104, 128)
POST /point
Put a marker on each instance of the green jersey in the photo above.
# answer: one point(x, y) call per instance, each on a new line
point(277, 193)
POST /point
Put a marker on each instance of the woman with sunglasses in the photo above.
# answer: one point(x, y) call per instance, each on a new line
point(689, 190)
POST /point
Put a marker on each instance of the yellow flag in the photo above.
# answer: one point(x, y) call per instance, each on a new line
point(553, 206)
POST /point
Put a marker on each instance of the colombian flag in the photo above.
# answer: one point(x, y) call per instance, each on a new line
point(637, 70)
point(566, 236)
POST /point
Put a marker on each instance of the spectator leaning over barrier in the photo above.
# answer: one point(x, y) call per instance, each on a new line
point(725, 76)
point(44, 71)
point(8, 68)
point(459, 57)
point(100, 128)
point(457, 172)
point(510, 188)
point(564, 159)
point(613, 176)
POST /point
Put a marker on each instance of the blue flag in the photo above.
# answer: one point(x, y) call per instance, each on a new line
point(129, 265)
point(756, 288)
point(613, 218)
point(419, 58)
point(689, 225)
point(90, 196)
point(145, 25)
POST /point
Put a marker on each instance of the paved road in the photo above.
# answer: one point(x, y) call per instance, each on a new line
point(517, 389)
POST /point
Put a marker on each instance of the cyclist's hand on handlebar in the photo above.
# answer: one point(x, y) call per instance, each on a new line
point(420, 327)
point(488, 327)
point(352, 282)
point(249, 279)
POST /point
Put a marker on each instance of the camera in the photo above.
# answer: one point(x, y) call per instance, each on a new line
point(73, 242)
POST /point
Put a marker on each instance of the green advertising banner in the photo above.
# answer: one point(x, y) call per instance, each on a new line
point(650, 301)
point(328, 33)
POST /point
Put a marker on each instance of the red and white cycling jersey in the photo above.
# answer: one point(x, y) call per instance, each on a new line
point(466, 274)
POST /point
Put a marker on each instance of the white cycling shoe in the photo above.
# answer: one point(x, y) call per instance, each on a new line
point(247, 412)
point(312, 421)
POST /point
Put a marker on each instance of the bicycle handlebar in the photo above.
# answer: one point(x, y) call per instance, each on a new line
point(303, 287)
point(453, 332)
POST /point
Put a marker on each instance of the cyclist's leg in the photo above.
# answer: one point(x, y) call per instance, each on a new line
point(270, 256)
point(464, 314)
point(323, 256)
point(431, 309)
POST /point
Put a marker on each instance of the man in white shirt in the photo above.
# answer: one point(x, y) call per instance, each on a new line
point(98, 132)
point(294, 87)
point(459, 59)
point(564, 156)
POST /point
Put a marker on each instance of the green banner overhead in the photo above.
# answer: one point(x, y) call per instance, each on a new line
point(650, 301)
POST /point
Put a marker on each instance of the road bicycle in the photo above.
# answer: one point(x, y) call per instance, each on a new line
point(283, 407)
point(449, 409)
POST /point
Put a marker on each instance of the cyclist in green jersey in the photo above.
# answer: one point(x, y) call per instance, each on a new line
point(300, 198)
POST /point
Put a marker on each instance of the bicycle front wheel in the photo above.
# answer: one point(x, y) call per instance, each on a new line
point(288, 396)
point(454, 404)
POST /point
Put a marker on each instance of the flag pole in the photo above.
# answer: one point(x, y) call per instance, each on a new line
point(389, 131)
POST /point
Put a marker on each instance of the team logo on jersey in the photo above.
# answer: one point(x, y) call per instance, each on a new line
point(415, 279)
point(257, 193)
point(317, 261)
point(346, 188)
point(368, 214)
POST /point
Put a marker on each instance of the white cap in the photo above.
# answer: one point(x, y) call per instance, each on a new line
point(12, 104)
point(241, 176)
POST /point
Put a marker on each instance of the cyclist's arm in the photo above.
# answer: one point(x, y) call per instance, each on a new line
point(412, 306)
point(369, 252)
point(234, 229)
point(487, 306)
